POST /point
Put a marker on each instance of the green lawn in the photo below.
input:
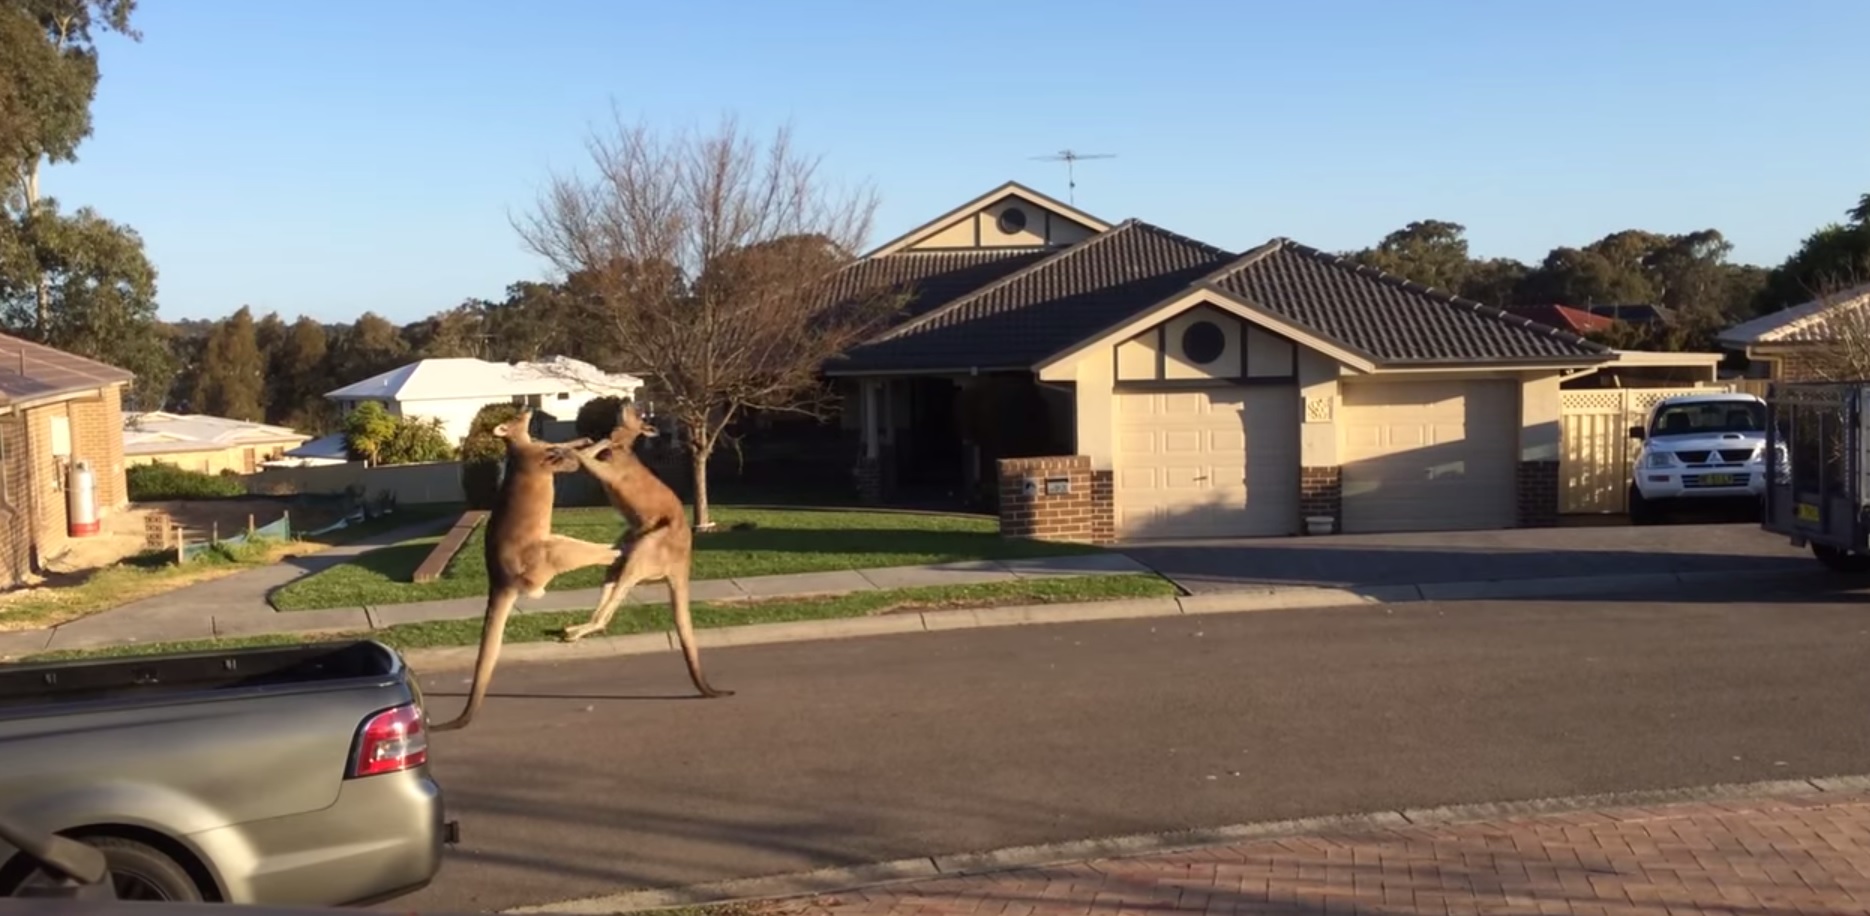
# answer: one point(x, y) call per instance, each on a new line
point(753, 542)
point(649, 618)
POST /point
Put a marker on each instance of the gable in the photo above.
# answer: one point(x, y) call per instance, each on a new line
point(1205, 343)
point(1010, 216)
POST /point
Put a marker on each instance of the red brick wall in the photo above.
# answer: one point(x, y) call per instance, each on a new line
point(1085, 514)
point(97, 437)
point(1538, 494)
point(1321, 492)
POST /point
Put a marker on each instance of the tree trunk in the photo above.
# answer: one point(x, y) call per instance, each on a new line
point(42, 284)
point(699, 470)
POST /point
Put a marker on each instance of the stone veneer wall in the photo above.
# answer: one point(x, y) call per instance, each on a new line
point(1086, 514)
point(1321, 492)
point(1538, 494)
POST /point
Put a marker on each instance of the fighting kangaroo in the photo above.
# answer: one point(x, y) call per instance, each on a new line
point(658, 544)
point(523, 554)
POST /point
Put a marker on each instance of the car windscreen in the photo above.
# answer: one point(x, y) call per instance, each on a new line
point(1709, 418)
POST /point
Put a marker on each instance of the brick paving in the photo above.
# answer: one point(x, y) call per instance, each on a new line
point(1789, 855)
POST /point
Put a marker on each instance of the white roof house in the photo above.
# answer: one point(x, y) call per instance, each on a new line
point(454, 389)
point(204, 442)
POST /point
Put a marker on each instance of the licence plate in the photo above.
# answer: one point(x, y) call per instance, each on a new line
point(1807, 512)
point(1717, 480)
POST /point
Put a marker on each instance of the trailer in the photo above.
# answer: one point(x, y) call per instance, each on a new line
point(1816, 470)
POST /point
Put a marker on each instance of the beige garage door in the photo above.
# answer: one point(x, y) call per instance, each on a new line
point(1429, 456)
point(1217, 463)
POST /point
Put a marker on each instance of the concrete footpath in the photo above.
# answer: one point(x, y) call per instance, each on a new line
point(1792, 848)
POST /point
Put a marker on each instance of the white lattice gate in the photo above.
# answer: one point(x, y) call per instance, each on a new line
point(1596, 448)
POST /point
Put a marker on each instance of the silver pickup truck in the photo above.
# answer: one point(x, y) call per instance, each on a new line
point(280, 776)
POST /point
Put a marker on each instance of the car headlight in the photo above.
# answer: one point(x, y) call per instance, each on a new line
point(1659, 460)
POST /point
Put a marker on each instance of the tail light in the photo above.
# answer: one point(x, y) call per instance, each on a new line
point(391, 741)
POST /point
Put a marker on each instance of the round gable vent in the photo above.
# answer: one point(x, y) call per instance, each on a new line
point(1012, 220)
point(1203, 342)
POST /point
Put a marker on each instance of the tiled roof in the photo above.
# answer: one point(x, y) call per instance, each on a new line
point(932, 278)
point(1047, 306)
point(1385, 316)
point(1564, 317)
point(30, 371)
point(159, 431)
point(1806, 323)
point(448, 378)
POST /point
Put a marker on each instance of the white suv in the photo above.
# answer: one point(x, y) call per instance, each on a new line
point(1699, 446)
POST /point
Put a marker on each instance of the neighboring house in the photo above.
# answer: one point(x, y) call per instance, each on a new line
point(324, 450)
point(1633, 313)
point(198, 442)
point(1564, 317)
point(1786, 345)
point(1164, 387)
point(453, 390)
point(55, 409)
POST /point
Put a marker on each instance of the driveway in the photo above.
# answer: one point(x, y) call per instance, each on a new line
point(1353, 560)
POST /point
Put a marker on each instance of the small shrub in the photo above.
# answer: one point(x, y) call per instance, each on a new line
point(166, 481)
point(483, 453)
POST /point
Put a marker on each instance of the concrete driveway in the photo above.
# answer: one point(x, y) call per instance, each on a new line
point(1353, 560)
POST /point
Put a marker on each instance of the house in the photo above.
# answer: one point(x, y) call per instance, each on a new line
point(453, 390)
point(1792, 344)
point(56, 409)
point(1119, 380)
point(208, 444)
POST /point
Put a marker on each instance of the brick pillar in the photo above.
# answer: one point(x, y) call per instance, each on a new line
point(1538, 494)
point(1070, 515)
point(1321, 492)
point(1103, 507)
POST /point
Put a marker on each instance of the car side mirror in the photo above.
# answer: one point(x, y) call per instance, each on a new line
point(72, 870)
point(1636, 432)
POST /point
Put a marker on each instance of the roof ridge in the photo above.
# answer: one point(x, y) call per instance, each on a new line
point(1436, 294)
point(1062, 255)
point(1245, 260)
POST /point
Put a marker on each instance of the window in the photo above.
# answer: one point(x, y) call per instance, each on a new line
point(533, 401)
point(1710, 417)
point(1011, 221)
point(1203, 342)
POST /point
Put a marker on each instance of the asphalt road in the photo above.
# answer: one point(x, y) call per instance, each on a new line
point(596, 777)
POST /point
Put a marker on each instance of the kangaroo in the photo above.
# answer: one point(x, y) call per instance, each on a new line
point(523, 555)
point(658, 544)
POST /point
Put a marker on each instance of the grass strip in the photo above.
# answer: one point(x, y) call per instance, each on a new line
point(647, 618)
point(752, 542)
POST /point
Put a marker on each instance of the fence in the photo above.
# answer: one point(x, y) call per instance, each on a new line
point(410, 484)
point(1596, 449)
point(160, 532)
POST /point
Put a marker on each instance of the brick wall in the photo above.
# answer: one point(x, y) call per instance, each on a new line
point(1321, 492)
point(1796, 367)
point(1538, 494)
point(15, 512)
point(97, 437)
point(869, 476)
point(1086, 513)
point(47, 498)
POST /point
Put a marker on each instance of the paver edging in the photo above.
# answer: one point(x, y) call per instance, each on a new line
point(1633, 805)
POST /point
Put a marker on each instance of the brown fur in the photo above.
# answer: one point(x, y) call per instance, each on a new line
point(523, 555)
point(658, 545)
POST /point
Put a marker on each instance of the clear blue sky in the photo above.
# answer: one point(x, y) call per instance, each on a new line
point(350, 155)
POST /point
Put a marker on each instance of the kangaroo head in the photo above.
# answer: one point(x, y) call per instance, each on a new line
point(517, 430)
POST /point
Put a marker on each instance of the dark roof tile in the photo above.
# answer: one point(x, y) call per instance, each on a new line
point(932, 278)
point(1385, 316)
point(1048, 306)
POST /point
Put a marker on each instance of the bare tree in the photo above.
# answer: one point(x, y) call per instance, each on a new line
point(708, 262)
point(1842, 352)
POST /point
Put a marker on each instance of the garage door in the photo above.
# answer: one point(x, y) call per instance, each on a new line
point(1216, 463)
point(1428, 456)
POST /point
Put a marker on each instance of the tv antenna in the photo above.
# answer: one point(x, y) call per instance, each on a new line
point(1070, 158)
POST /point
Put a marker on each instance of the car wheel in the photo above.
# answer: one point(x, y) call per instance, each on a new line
point(1839, 561)
point(1642, 511)
point(138, 871)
